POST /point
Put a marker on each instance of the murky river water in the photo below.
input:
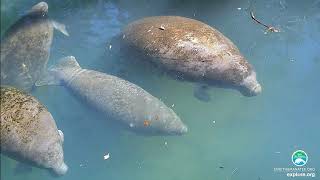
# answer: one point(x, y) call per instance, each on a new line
point(230, 136)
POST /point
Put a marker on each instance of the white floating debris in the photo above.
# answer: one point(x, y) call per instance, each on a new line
point(131, 125)
point(291, 60)
point(162, 27)
point(172, 105)
point(213, 122)
point(165, 143)
point(124, 36)
point(139, 164)
point(239, 8)
point(234, 171)
point(107, 156)
point(149, 30)
point(194, 14)
point(110, 46)
point(278, 152)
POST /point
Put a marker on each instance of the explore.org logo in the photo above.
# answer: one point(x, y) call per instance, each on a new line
point(299, 158)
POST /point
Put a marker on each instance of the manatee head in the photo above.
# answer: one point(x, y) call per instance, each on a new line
point(55, 152)
point(241, 75)
point(159, 120)
point(170, 123)
point(39, 9)
point(250, 85)
point(50, 148)
point(56, 160)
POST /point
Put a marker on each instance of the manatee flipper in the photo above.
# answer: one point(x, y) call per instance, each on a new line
point(201, 92)
point(60, 27)
point(61, 135)
point(48, 79)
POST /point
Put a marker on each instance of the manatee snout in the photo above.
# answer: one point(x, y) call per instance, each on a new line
point(177, 127)
point(168, 123)
point(60, 170)
point(256, 89)
point(250, 86)
point(182, 130)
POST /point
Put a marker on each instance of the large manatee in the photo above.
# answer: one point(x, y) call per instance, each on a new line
point(121, 100)
point(192, 50)
point(25, 47)
point(29, 133)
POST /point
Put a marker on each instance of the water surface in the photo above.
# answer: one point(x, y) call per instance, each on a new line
point(231, 136)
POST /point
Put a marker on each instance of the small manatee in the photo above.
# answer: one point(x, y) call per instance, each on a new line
point(119, 99)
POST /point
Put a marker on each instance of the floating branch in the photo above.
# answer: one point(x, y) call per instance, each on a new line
point(268, 27)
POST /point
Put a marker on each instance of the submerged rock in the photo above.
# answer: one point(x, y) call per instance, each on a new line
point(29, 133)
point(25, 48)
point(191, 49)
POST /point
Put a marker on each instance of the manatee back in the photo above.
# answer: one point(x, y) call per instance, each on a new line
point(164, 36)
point(187, 46)
point(126, 102)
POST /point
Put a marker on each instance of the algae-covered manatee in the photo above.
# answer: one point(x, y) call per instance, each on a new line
point(192, 50)
point(29, 133)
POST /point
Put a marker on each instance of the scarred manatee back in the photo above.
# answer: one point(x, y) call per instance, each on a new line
point(191, 49)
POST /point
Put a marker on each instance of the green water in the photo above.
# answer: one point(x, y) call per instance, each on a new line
point(230, 137)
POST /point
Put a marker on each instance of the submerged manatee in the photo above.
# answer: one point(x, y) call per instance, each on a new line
point(191, 49)
point(124, 101)
point(29, 133)
point(25, 47)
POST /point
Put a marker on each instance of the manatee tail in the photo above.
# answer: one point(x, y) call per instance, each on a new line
point(66, 62)
point(60, 27)
point(54, 75)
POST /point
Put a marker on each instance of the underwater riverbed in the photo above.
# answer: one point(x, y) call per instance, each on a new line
point(230, 136)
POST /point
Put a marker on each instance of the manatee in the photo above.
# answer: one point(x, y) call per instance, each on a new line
point(125, 102)
point(29, 133)
point(191, 50)
point(25, 47)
